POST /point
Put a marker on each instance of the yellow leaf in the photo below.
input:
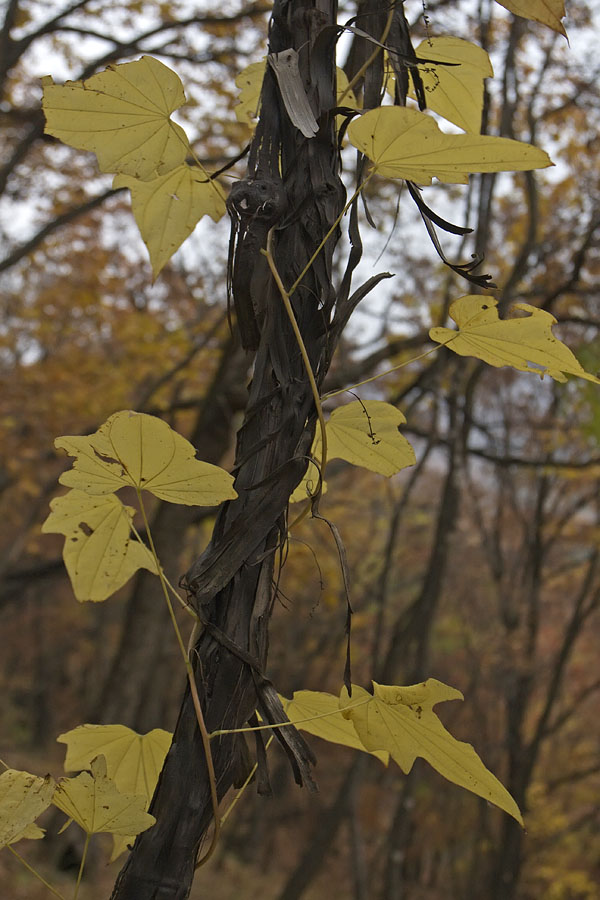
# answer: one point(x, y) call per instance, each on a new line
point(100, 554)
point(250, 80)
point(455, 92)
point(168, 208)
point(319, 713)
point(366, 434)
point(406, 143)
point(23, 797)
point(133, 761)
point(93, 801)
point(141, 451)
point(401, 720)
point(122, 115)
point(548, 12)
point(525, 343)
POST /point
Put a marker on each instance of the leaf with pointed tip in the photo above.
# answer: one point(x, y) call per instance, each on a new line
point(133, 761)
point(366, 434)
point(168, 208)
point(406, 143)
point(100, 552)
point(122, 115)
point(319, 714)
point(93, 801)
point(455, 92)
point(23, 797)
point(525, 343)
point(547, 12)
point(401, 720)
point(141, 451)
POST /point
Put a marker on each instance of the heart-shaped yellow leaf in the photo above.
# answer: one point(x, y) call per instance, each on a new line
point(133, 761)
point(100, 552)
point(455, 92)
point(406, 143)
point(401, 720)
point(122, 115)
point(525, 343)
point(319, 713)
point(141, 451)
point(23, 797)
point(93, 801)
point(548, 12)
point(366, 434)
point(168, 208)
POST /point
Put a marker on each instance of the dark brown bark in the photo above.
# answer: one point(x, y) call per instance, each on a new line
point(232, 583)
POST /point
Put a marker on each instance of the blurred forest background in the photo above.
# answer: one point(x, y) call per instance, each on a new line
point(479, 566)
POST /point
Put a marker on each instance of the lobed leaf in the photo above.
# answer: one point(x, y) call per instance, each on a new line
point(401, 720)
point(168, 208)
point(455, 92)
point(525, 343)
point(366, 434)
point(133, 761)
point(23, 797)
point(406, 143)
point(122, 115)
point(548, 12)
point(93, 801)
point(100, 553)
point(319, 714)
point(141, 451)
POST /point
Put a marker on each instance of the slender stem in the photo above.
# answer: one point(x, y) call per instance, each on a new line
point(330, 232)
point(229, 809)
point(299, 340)
point(82, 864)
point(2, 763)
point(33, 872)
point(333, 712)
point(381, 374)
point(193, 688)
point(372, 57)
point(173, 590)
point(192, 153)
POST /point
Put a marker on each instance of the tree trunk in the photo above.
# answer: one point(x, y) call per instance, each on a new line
point(232, 583)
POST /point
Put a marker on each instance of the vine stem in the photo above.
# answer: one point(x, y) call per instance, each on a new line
point(193, 689)
point(176, 594)
point(37, 874)
point(360, 188)
point(241, 790)
point(287, 724)
point(401, 365)
point(302, 347)
point(82, 864)
point(194, 156)
point(371, 59)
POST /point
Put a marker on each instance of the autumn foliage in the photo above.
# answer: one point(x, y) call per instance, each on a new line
point(410, 513)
